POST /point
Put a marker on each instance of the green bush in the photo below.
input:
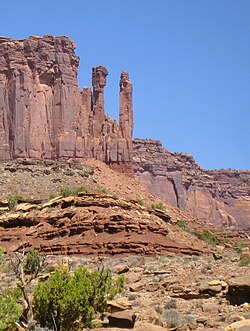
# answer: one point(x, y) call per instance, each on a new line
point(9, 312)
point(13, 201)
point(81, 189)
point(101, 190)
point(159, 206)
point(181, 224)
point(70, 302)
point(66, 192)
point(31, 262)
point(244, 261)
point(209, 237)
point(140, 201)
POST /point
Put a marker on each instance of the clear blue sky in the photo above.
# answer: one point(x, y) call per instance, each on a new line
point(189, 61)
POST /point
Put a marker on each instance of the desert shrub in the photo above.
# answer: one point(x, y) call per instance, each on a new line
point(52, 196)
point(101, 190)
point(66, 192)
point(209, 237)
point(26, 268)
point(244, 261)
point(13, 200)
point(70, 301)
point(159, 206)
point(140, 201)
point(181, 224)
point(31, 262)
point(240, 246)
point(158, 309)
point(170, 304)
point(81, 189)
point(172, 318)
point(2, 251)
point(9, 312)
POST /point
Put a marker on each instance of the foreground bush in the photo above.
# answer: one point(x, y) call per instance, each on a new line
point(9, 312)
point(71, 302)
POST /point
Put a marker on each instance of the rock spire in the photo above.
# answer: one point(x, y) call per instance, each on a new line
point(44, 115)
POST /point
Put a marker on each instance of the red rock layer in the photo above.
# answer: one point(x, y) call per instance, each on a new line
point(93, 224)
point(220, 197)
point(44, 115)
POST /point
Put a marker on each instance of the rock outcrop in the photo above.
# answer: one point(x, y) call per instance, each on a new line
point(44, 115)
point(219, 197)
point(92, 223)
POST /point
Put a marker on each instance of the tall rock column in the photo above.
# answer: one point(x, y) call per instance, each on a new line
point(99, 75)
point(126, 111)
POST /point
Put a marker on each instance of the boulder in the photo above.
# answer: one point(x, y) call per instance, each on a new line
point(243, 325)
point(239, 290)
point(122, 319)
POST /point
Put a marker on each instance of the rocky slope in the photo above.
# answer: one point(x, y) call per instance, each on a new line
point(44, 115)
point(219, 198)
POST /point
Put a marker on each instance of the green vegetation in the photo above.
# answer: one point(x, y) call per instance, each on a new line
point(140, 201)
point(159, 206)
point(70, 301)
point(2, 251)
point(52, 196)
point(101, 190)
point(66, 192)
point(26, 268)
point(13, 200)
point(181, 224)
point(9, 312)
point(66, 301)
point(240, 246)
point(244, 261)
point(209, 237)
point(31, 263)
point(81, 189)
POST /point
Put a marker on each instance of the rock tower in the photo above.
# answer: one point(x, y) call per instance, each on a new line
point(44, 115)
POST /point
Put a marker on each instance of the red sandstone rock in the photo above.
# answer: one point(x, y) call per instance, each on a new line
point(44, 115)
point(220, 197)
point(126, 111)
point(92, 224)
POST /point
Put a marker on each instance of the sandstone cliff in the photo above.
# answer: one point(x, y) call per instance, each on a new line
point(219, 197)
point(44, 115)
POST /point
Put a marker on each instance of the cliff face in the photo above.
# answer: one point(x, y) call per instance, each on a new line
point(219, 197)
point(44, 115)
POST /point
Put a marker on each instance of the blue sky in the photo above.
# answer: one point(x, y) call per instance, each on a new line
point(189, 61)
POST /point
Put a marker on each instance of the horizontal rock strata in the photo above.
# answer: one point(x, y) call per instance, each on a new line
point(91, 224)
point(220, 197)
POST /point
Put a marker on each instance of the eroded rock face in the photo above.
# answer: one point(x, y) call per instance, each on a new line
point(91, 224)
point(44, 115)
point(220, 197)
